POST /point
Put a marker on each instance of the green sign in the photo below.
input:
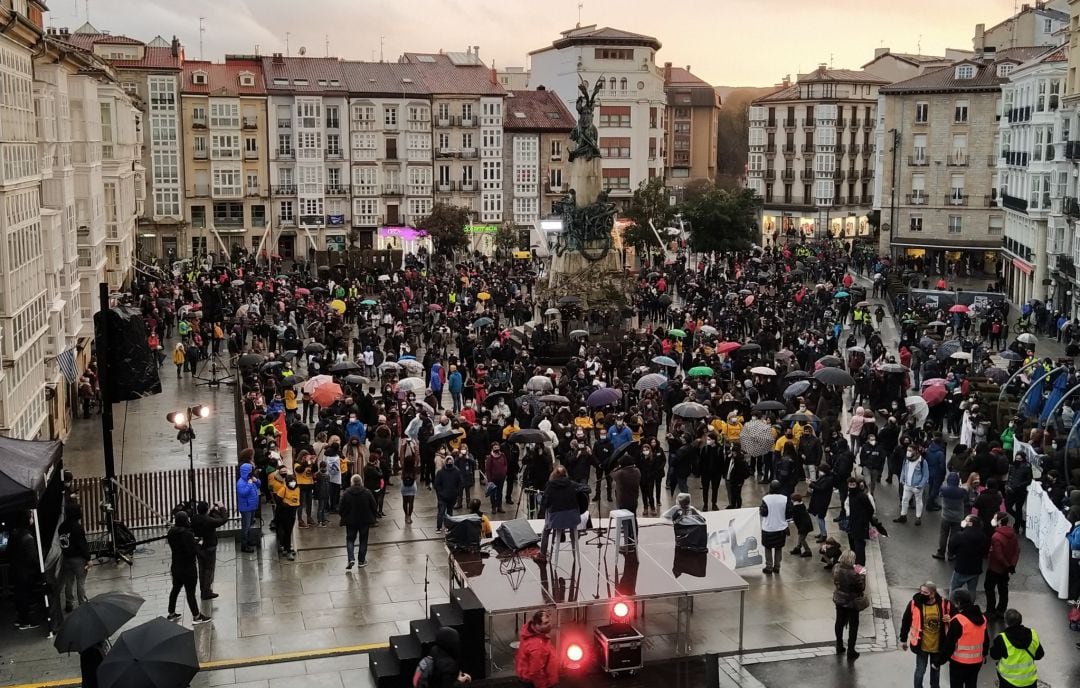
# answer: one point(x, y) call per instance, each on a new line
point(481, 229)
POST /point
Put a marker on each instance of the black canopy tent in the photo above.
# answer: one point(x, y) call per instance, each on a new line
point(31, 479)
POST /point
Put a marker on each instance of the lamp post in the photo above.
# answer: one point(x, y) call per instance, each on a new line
point(182, 420)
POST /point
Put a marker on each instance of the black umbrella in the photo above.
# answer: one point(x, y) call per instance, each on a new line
point(440, 437)
point(749, 348)
point(271, 365)
point(157, 654)
point(314, 348)
point(493, 398)
point(250, 361)
point(740, 407)
point(834, 376)
point(95, 620)
point(345, 367)
point(529, 436)
point(355, 379)
point(796, 375)
point(690, 409)
point(569, 300)
point(830, 361)
point(287, 355)
point(770, 405)
point(554, 399)
point(893, 368)
point(618, 454)
point(799, 418)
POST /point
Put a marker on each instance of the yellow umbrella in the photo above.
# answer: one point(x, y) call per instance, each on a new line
point(338, 305)
point(483, 296)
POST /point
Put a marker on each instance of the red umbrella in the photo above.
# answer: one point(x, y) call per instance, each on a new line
point(749, 300)
point(434, 307)
point(301, 291)
point(959, 308)
point(727, 347)
point(935, 394)
point(326, 394)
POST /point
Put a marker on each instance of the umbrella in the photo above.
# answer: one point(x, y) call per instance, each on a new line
point(1028, 338)
point(574, 334)
point(834, 376)
point(355, 379)
point(338, 305)
point(797, 389)
point(345, 367)
point(483, 296)
point(745, 292)
point(769, 405)
point(301, 291)
point(480, 323)
point(727, 347)
point(314, 348)
point(413, 366)
point(493, 398)
point(933, 381)
point(862, 304)
point(757, 438)
point(690, 409)
point(326, 394)
point(936, 323)
point(434, 307)
point(918, 407)
point(961, 356)
point(763, 370)
point(553, 399)
point(856, 350)
point(800, 418)
point(841, 295)
point(796, 375)
point(440, 437)
point(1009, 355)
point(539, 383)
point(935, 394)
point(95, 620)
point(270, 366)
point(830, 362)
point(783, 355)
point(316, 382)
point(894, 368)
point(700, 371)
point(237, 283)
point(708, 330)
point(676, 332)
point(959, 308)
point(529, 436)
point(551, 311)
point(749, 300)
point(749, 348)
point(664, 300)
point(157, 654)
point(411, 384)
point(250, 361)
point(389, 365)
point(998, 375)
point(605, 396)
point(740, 407)
point(947, 349)
point(665, 361)
point(569, 300)
point(368, 302)
point(424, 406)
point(650, 381)
point(384, 278)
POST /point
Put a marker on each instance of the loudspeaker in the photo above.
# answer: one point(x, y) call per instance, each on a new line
point(517, 534)
point(463, 533)
point(474, 631)
point(691, 534)
point(132, 371)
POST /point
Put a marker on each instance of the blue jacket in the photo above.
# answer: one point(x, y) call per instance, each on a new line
point(355, 428)
point(619, 437)
point(436, 378)
point(935, 459)
point(247, 492)
point(455, 382)
point(919, 477)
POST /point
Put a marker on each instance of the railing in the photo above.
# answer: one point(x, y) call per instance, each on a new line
point(468, 152)
point(770, 174)
point(284, 190)
point(198, 123)
point(770, 149)
point(468, 186)
point(250, 123)
point(990, 201)
point(333, 154)
point(918, 161)
point(808, 121)
point(840, 149)
point(467, 122)
point(335, 190)
point(229, 222)
point(1014, 203)
point(789, 123)
point(957, 160)
point(841, 123)
point(789, 149)
point(1072, 150)
point(807, 175)
point(251, 154)
point(917, 199)
point(391, 189)
point(771, 124)
point(838, 175)
point(788, 175)
point(284, 124)
point(1070, 207)
point(202, 190)
point(956, 199)
point(252, 191)
point(867, 174)
point(286, 154)
point(808, 148)
point(201, 155)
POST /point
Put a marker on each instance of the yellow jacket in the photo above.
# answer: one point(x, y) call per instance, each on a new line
point(289, 496)
point(178, 356)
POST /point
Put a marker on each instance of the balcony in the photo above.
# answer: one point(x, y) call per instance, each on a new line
point(333, 154)
point(202, 190)
point(446, 153)
point(917, 198)
point(391, 189)
point(468, 186)
point(1071, 207)
point(919, 160)
point(468, 153)
point(252, 192)
point(286, 154)
point(840, 149)
point(1066, 265)
point(1072, 150)
point(853, 124)
point(335, 190)
point(365, 190)
point(770, 174)
point(229, 222)
point(991, 160)
point(808, 122)
point(467, 122)
point(286, 221)
point(991, 201)
point(841, 123)
point(1014, 203)
point(956, 199)
point(789, 123)
point(201, 155)
point(250, 123)
point(284, 124)
point(364, 125)
point(789, 149)
point(770, 149)
point(251, 155)
point(198, 122)
point(838, 175)
point(1016, 158)
point(807, 175)
point(444, 121)
point(284, 190)
point(808, 148)
point(840, 200)
point(770, 124)
point(556, 188)
point(867, 199)
point(444, 187)
point(787, 175)
point(867, 174)
point(957, 159)
point(868, 149)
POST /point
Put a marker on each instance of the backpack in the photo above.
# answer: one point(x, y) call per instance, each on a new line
point(425, 670)
point(1074, 537)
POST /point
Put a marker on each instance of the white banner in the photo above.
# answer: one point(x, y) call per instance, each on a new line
point(1047, 527)
point(735, 537)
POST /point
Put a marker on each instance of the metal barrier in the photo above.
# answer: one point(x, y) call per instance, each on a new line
point(146, 500)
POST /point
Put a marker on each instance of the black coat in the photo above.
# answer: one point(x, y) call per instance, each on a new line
point(821, 491)
point(969, 546)
point(711, 462)
point(184, 549)
point(205, 526)
point(861, 511)
point(560, 494)
point(358, 508)
point(448, 484)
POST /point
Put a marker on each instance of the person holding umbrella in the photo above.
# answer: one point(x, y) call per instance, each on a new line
point(184, 567)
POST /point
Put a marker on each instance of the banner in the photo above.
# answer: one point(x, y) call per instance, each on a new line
point(1047, 527)
point(945, 299)
point(735, 537)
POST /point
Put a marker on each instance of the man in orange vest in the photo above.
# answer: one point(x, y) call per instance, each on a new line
point(923, 631)
point(967, 641)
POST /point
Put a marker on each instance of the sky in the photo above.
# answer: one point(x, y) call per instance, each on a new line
point(726, 42)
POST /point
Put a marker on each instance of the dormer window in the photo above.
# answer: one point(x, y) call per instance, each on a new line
point(1005, 69)
point(199, 78)
point(965, 71)
point(247, 79)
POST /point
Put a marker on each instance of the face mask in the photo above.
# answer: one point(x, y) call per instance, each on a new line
point(646, 453)
point(710, 442)
point(911, 456)
point(873, 442)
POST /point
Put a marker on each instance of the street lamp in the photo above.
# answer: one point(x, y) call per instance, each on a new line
point(182, 420)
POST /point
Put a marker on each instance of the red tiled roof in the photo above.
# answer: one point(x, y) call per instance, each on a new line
point(223, 79)
point(841, 75)
point(540, 110)
point(682, 77)
point(784, 93)
point(117, 39)
point(153, 58)
point(311, 69)
point(986, 78)
point(604, 35)
point(443, 77)
point(384, 78)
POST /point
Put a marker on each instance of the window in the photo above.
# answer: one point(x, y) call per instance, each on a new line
point(247, 79)
point(613, 54)
point(614, 116)
point(467, 141)
point(366, 211)
point(198, 216)
point(614, 147)
point(198, 117)
point(956, 189)
point(467, 176)
point(229, 214)
point(556, 149)
point(390, 115)
point(225, 146)
point(960, 113)
point(419, 208)
point(965, 71)
point(444, 142)
point(285, 211)
point(918, 151)
point(198, 144)
point(915, 223)
point(284, 145)
point(1048, 25)
point(444, 111)
point(555, 178)
point(616, 179)
point(333, 144)
point(922, 113)
point(333, 121)
point(251, 144)
point(918, 189)
point(466, 111)
point(363, 113)
point(224, 116)
point(226, 182)
point(444, 175)
point(252, 186)
point(1005, 69)
point(199, 77)
point(955, 224)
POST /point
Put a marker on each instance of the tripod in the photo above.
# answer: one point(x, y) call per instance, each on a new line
point(217, 376)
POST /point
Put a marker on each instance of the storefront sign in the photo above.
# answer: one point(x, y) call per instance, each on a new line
point(402, 232)
point(481, 229)
point(335, 219)
point(945, 299)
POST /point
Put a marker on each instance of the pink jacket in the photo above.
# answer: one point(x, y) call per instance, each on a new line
point(857, 421)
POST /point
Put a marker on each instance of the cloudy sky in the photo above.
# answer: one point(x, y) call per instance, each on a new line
point(728, 42)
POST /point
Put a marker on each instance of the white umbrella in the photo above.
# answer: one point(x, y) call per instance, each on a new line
point(918, 408)
point(551, 311)
point(539, 383)
point(411, 384)
point(316, 382)
point(384, 278)
point(961, 356)
point(1028, 338)
point(389, 365)
point(763, 370)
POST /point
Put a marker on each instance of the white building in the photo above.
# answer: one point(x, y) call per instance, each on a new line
point(630, 119)
point(1033, 132)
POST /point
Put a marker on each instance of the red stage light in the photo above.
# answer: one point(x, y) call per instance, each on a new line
point(620, 611)
point(574, 652)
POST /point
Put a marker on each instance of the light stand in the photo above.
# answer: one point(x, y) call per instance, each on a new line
point(182, 421)
point(215, 380)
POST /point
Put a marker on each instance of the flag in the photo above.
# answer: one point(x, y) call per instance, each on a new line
point(66, 361)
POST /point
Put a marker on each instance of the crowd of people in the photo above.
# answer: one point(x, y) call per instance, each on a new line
point(475, 381)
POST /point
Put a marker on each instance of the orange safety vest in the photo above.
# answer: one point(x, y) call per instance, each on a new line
point(915, 634)
point(969, 648)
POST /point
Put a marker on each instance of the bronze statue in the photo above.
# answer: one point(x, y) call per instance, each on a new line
point(584, 133)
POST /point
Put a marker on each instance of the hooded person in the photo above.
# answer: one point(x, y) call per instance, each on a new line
point(446, 658)
point(183, 567)
point(536, 662)
point(247, 503)
point(953, 501)
point(1016, 650)
point(967, 641)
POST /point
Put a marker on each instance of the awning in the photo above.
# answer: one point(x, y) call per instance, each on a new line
point(945, 244)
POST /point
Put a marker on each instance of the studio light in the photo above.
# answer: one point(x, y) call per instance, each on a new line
point(177, 418)
point(574, 653)
point(620, 612)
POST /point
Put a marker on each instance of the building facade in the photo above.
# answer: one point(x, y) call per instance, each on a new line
point(631, 117)
point(812, 146)
point(1035, 24)
point(692, 119)
point(1034, 176)
point(226, 141)
point(537, 127)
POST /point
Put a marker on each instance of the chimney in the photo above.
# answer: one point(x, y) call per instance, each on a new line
point(476, 50)
point(278, 59)
point(667, 72)
point(494, 76)
point(541, 87)
point(688, 68)
point(878, 52)
point(980, 38)
point(175, 46)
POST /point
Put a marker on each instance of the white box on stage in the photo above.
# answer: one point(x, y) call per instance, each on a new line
point(619, 648)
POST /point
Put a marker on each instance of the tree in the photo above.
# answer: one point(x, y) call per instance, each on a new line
point(506, 238)
point(650, 202)
point(446, 227)
point(722, 219)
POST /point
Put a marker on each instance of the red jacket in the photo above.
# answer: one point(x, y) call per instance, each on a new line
point(535, 661)
point(1004, 550)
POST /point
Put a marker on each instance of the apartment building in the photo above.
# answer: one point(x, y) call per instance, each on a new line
point(633, 102)
point(894, 66)
point(309, 158)
point(467, 126)
point(122, 177)
point(693, 127)
point(226, 140)
point(939, 164)
point(1066, 279)
point(1034, 24)
point(812, 146)
point(1034, 178)
point(537, 128)
point(513, 78)
point(390, 137)
point(151, 72)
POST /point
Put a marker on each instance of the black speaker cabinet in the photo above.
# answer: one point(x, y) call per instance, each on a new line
point(518, 534)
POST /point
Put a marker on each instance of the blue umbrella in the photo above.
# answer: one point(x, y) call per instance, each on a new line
point(665, 361)
point(1061, 383)
point(1034, 400)
point(841, 294)
point(605, 396)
